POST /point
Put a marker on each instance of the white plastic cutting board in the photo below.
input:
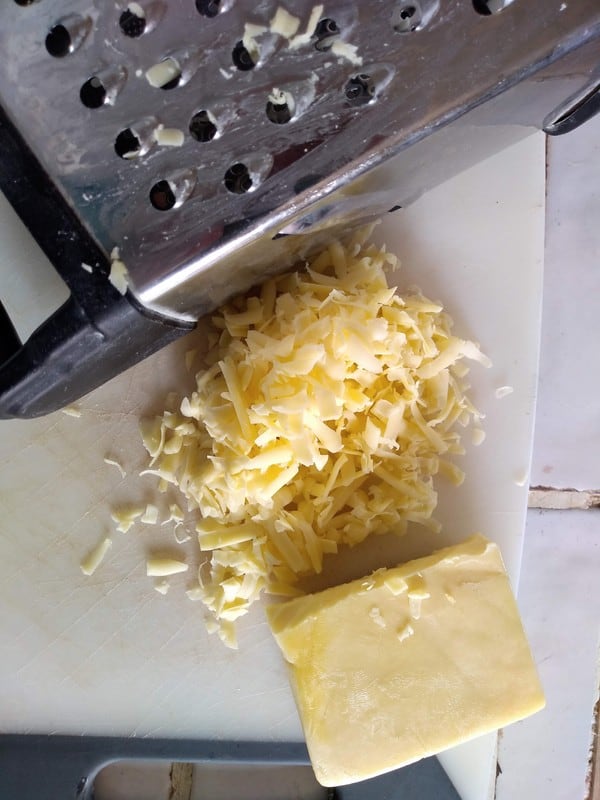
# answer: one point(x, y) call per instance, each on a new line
point(107, 654)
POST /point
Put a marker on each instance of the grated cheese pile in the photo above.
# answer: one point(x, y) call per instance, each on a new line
point(327, 406)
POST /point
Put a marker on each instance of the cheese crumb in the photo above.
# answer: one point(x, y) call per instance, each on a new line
point(284, 23)
point(375, 615)
point(162, 73)
point(150, 515)
point(251, 31)
point(137, 9)
point(477, 436)
point(159, 567)
point(168, 137)
point(91, 563)
point(304, 38)
point(521, 477)
point(162, 587)
point(346, 50)
point(114, 463)
point(405, 632)
point(126, 517)
point(118, 272)
point(86, 267)
point(503, 391)
point(71, 411)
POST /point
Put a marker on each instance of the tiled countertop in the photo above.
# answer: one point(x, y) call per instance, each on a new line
point(547, 756)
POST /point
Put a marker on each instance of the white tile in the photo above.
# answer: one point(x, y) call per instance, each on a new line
point(545, 756)
point(567, 440)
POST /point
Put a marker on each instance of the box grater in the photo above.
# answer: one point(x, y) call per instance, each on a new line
point(213, 142)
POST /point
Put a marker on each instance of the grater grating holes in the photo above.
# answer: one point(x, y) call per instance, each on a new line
point(93, 93)
point(280, 107)
point(67, 34)
point(131, 24)
point(208, 8)
point(127, 144)
point(25, 2)
point(360, 90)
point(409, 16)
point(489, 7)
point(237, 179)
point(202, 128)
point(58, 41)
point(162, 196)
point(242, 58)
point(326, 32)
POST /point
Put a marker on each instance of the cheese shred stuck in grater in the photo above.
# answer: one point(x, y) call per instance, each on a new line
point(184, 150)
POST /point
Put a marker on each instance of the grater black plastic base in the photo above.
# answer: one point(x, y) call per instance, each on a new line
point(97, 333)
point(65, 767)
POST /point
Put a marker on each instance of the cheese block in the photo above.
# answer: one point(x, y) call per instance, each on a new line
point(407, 662)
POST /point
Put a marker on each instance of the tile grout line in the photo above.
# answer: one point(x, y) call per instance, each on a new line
point(593, 777)
point(550, 498)
point(181, 777)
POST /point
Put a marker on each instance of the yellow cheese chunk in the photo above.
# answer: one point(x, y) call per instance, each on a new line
point(412, 660)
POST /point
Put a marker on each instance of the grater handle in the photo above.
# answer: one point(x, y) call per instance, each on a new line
point(72, 353)
point(9, 339)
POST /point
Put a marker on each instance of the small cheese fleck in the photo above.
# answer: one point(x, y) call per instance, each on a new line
point(251, 31)
point(118, 272)
point(150, 515)
point(405, 631)
point(227, 635)
point(71, 411)
point(162, 587)
point(93, 560)
point(114, 463)
point(375, 615)
point(346, 50)
point(304, 38)
point(503, 391)
point(86, 267)
point(126, 517)
point(162, 73)
point(168, 137)
point(175, 514)
point(521, 477)
point(181, 538)
point(477, 436)
point(284, 23)
point(279, 97)
point(159, 567)
point(137, 9)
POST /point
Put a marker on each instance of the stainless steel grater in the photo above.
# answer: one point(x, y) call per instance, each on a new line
point(213, 142)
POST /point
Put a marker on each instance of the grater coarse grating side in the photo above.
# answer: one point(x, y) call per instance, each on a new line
point(214, 142)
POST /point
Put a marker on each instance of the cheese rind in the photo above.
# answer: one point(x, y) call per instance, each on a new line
point(379, 689)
